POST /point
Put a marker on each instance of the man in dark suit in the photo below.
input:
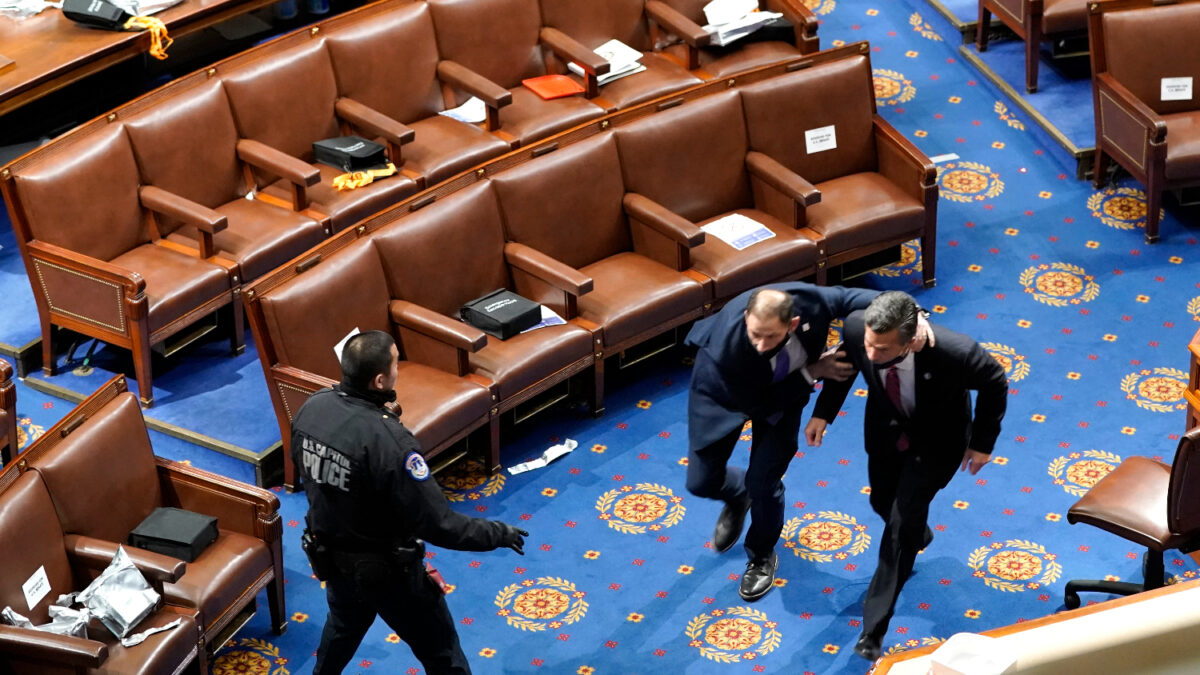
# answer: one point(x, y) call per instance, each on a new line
point(918, 429)
point(758, 359)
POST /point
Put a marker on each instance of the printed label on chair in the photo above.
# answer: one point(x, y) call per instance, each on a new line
point(821, 139)
point(1177, 89)
point(36, 588)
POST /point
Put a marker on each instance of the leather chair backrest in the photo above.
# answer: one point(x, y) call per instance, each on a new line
point(1128, 43)
point(461, 240)
point(838, 93)
point(188, 145)
point(311, 313)
point(496, 38)
point(691, 159)
point(286, 101)
point(102, 476)
point(1183, 496)
point(31, 538)
point(567, 204)
point(388, 61)
point(83, 195)
point(594, 23)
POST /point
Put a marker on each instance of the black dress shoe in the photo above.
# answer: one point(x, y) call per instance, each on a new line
point(928, 538)
point(758, 578)
point(868, 646)
point(729, 524)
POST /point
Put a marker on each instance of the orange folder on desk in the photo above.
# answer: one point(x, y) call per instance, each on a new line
point(553, 86)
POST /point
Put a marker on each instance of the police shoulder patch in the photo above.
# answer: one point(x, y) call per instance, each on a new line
point(416, 466)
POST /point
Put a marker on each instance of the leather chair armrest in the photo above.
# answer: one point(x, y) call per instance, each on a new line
point(920, 165)
point(803, 20)
point(670, 18)
point(569, 49)
point(169, 204)
point(376, 123)
point(97, 554)
point(493, 95)
point(557, 274)
point(301, 379)
point(5, 372)
point(23, 644)
point(438, 326)
point(1137, 111)
point(88, 266)
point(661, 219)
point(263, 156)
point(238, 507)
point(782, 178)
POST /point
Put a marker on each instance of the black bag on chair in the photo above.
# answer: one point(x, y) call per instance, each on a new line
point(350, 153)
point(96, 13)
point(175, 532)
point(502, 313)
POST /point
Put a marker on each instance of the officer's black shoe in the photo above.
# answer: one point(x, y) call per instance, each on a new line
point(729, 524)
point(928, 538)
point(868, 646)
point(758, 578)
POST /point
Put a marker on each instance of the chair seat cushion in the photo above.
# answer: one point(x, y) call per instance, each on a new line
point(661, 77)
point(530, 117)
point(737, 57)
point(1183, 146)
point(1064, 16)
point(176, 283)
point(1131, 502)
point(347, 207)
point(781, 257)
point(635, 296)
point(444, 147)
point(526, 358)
point(863, 208)
point(437, 405)
point(260, 236)
point(215, 581)
point(162, 652)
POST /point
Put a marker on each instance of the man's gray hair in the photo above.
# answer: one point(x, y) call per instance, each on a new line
point(766, 303)
point(893, 310)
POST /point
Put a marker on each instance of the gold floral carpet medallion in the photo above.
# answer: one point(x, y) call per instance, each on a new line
point(825, 536)
point(1079, 471)
point(1157, 389)
point(1059, 284)
point(27, 431)
point(1016, 565)
point(968, 181)
point(733, 635)
point(547, 602)
point(1014, 364)
point(821, 7)
point(892, 87)
point(250, 657)
point(640, 508)
point(1123, 208)
point(468, 481)
point(908, 265)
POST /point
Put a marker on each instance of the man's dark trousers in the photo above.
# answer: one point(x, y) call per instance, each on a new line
point(772, 446)
point(902, 486)
point(406, 599)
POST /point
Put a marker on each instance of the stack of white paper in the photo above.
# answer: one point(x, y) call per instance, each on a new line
point(727, 33)
point(548, 456)
point(473, 111)
point(549, 318)
point(720, 12)
point(623, 60)
point(738, 231)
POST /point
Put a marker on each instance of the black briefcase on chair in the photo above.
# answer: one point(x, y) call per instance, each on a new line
point(350, 153)
point(502, 313)
point(96, 13)
point(175, 532)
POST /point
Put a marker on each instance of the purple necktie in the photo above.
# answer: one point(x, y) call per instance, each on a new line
point(783, 364)
point(893, 392)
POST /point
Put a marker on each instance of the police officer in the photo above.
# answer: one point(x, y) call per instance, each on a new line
point(371, 502)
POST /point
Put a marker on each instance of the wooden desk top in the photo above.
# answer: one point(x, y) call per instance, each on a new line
point(50, 51)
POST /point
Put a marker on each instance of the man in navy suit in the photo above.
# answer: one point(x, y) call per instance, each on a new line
point(918, 429)
point(758, 359)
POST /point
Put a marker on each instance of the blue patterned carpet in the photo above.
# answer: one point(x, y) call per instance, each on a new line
point(619, 577)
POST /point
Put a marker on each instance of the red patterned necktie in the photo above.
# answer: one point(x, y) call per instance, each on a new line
point(893, 392)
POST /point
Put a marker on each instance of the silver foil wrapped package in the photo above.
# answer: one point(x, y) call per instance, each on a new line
point(120, 597)
point(63, 621)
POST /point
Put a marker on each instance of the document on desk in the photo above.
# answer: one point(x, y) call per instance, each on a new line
point(738, 231)
point(623, 60)
point(549, 318)
point(727, 33)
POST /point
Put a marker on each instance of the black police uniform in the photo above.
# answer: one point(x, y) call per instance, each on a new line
point(371, 499)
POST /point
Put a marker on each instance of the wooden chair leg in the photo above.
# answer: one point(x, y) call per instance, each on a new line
point(493, 444)
point(598, 387)
point(981, 29)
point(275, 599)
point(1100, 169)
point(237, 337)
point(929, 257)
point(49, 350)
point(142, 370)
point(1033, 44)
point(1153, 207)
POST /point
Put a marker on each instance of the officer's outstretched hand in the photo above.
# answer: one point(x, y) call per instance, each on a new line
point(512, 537)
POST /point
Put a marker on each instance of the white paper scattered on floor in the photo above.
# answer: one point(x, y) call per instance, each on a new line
point(551, 454)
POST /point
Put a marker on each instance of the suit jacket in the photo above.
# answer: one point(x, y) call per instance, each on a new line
point(732, 381)
point(942, 426)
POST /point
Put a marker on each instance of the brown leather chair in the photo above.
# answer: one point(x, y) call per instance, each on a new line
point(1149, 503)
point(1156, 141)
point(104, 480)
point(693, 162)
point(877, 189)
point(84, 229)
point(427, 292)
point(570, 205)
point(502, 42)
point(386, 58)
point(9, 446)
point(188, 149)
point(690, 44)
point(297, 322)
point(594, 23)
point(31, 538)
point(286, 99)
point(1032, 21)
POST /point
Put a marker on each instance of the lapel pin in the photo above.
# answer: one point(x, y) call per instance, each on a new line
point(929, 376)
point(804, 327)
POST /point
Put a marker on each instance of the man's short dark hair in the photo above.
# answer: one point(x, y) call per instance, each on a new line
point(364, 356)
point(893, 310)
point(771, 303)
